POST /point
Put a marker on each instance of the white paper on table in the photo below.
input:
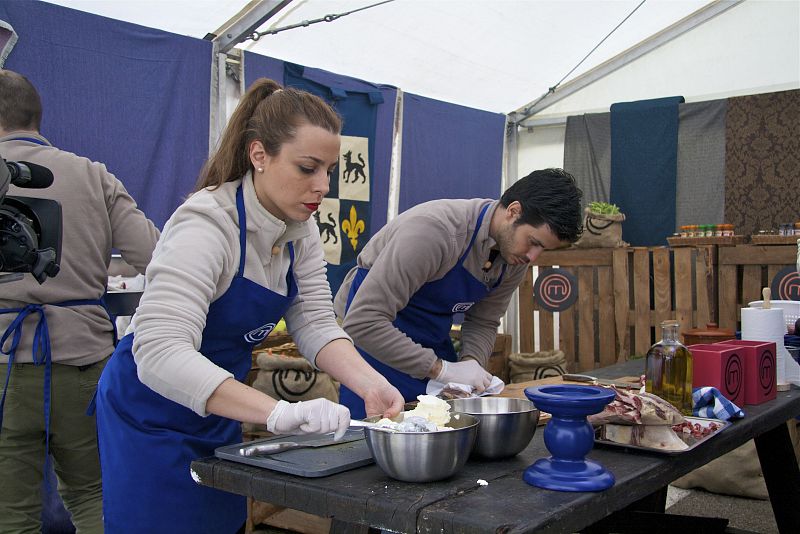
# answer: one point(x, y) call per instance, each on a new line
point(434, 387)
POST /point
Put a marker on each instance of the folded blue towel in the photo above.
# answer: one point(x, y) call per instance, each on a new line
point(709, 402)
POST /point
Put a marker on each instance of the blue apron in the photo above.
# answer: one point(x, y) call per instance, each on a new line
point(427, 320)
point(42, 355)
point(147, 441)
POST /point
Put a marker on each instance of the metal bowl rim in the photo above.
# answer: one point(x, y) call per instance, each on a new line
point(533, 407)
point(376, 418)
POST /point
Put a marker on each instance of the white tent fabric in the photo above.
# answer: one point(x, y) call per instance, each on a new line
point(500, 55)
point(495, 55)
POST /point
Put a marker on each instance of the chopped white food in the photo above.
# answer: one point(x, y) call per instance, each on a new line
point(433, 409)
point(430, 415)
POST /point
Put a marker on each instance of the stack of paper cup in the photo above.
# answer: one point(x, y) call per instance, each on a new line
point(759, 324)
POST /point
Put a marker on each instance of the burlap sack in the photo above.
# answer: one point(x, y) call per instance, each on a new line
point(525, 366)
point(737, 473)
point(293, 379)
point(601, 230)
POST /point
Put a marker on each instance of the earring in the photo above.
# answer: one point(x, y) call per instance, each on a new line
point(260, 169)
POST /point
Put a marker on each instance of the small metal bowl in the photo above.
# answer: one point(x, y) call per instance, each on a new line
point(423, 456)
point(507, 425)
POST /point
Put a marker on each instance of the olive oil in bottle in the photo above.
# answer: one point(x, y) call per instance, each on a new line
point(669, 369)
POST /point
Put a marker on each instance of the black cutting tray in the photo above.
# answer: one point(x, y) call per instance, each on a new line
point(307, 462)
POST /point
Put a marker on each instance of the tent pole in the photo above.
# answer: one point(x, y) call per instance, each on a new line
point(510, 174)
point(245, 23)
point(217, 109)
point(393, 202)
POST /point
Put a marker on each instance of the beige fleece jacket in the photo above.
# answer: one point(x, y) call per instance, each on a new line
point(98, 214)
point(421, 245)
point(193, 265)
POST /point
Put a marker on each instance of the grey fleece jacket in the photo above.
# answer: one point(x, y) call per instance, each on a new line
point(421, 245)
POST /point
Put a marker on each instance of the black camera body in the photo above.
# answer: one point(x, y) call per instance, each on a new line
point(30, 228)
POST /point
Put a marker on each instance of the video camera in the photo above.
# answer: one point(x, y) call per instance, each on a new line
point(30, 228)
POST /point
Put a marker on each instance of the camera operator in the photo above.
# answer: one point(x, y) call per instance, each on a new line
point(57, 336)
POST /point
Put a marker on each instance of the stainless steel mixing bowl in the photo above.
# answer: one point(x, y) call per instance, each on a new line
point(507, 425)
point(423, 456)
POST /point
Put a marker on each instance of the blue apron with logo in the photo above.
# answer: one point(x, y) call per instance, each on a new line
point(427, 320)
point(147, 442)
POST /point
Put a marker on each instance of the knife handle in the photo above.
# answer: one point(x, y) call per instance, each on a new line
point(270, 448)
point(579, 378)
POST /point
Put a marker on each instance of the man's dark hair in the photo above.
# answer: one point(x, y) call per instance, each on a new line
point(20, 105)
point(550, 197)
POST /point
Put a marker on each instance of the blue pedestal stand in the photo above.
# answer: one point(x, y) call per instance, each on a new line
point(569, 437)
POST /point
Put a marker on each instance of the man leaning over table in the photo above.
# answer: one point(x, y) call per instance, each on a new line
point(445, 257)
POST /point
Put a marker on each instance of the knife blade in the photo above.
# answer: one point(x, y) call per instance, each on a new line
point(600, 381)
point(273, 447)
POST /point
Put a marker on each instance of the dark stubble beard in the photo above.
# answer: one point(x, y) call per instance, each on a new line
point(505, 240)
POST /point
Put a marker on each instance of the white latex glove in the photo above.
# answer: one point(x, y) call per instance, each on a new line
point(467, 372)
point(318, 416)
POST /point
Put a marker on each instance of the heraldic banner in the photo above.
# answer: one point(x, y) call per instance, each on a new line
point(344, 216)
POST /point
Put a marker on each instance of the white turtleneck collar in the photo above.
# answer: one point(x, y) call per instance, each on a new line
point(271, 231)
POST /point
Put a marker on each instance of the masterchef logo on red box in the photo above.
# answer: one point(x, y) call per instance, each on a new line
point(734, 376)
point(766, 371)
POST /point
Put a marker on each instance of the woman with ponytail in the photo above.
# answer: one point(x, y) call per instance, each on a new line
point(236, 257)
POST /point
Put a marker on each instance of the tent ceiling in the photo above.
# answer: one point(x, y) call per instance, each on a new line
point(495, 55)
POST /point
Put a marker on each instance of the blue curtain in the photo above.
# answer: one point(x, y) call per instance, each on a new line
point(134, 98)
point(449, 151)
point(644, 166)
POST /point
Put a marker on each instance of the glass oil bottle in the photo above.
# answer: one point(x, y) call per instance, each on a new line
point(669, 369)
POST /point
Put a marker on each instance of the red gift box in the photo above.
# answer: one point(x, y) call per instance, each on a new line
point(759, 369)
point(720, 366)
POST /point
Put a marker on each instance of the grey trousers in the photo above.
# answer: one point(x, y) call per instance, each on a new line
point(73, 445)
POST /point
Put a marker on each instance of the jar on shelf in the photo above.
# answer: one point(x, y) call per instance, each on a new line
point(684, 231)
point(668, 371)
point(797, 228)
point(710, 230)
point(718, 230)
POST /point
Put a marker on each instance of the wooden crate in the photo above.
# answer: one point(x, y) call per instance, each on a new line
point(743, 272)
point(623, 296)
point(774, 239)
point(586, 330)
point(726, 241)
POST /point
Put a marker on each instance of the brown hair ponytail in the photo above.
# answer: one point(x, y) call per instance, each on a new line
point(268, 114)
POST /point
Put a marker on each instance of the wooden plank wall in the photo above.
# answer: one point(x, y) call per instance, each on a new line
point(586, 330)
point(744, 270)
point(623, 295)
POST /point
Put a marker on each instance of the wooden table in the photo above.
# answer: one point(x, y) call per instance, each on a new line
point(366, 497)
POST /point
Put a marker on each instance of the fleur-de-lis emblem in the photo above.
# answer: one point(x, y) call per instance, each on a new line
point(353, 227)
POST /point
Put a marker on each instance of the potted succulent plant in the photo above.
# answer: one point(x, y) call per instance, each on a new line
point(602, 226)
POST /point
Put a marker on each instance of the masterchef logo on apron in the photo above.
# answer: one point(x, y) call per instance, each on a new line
point(258, 335)
point(461, 307)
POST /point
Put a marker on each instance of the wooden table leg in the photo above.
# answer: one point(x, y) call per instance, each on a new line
point(779, 465)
